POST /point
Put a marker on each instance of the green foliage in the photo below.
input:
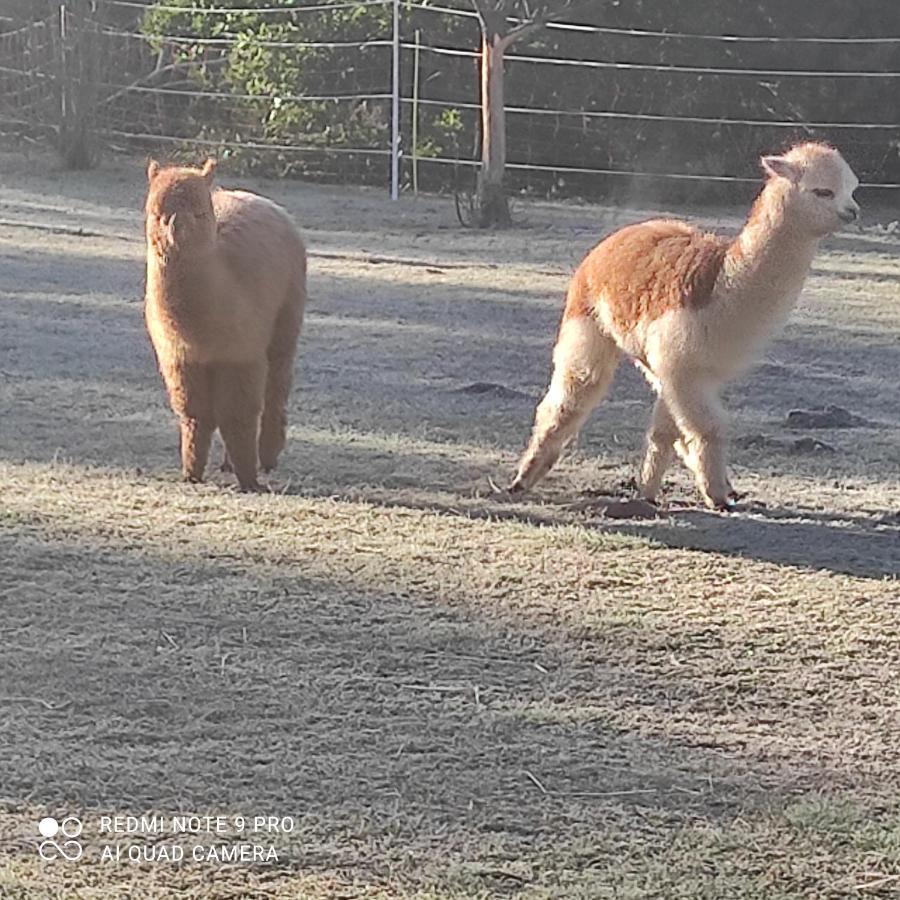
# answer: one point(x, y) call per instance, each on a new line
point(268, 64)
point(282, 81)
point(443, 132)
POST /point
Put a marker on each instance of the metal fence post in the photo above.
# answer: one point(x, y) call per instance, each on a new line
point(395, 107)
point(414, 148)
point(63, 69)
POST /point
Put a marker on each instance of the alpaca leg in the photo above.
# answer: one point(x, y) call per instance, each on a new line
point(273, 429)
point(237, 402)
point(191, 400)
point(683, 452)
point(702, 423)
point(660, 448)
point(584, 362)
point(196, 437)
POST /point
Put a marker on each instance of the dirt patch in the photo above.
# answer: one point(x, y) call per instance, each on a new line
point(496, 391)
point(825, 417)
point(796, 446)
point(811, 445)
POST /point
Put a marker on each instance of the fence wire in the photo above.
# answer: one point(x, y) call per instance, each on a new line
point(102, 73)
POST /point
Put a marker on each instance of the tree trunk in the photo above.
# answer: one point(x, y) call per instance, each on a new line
point(493, 206)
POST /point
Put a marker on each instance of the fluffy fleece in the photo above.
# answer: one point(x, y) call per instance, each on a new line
point(226, 287)
point(692, 310)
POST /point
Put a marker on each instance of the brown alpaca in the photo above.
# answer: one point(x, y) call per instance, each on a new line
point(692, 310)
point(226, 287)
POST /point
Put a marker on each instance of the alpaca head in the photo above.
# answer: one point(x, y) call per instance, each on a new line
point(179, 211)
point(817, 185)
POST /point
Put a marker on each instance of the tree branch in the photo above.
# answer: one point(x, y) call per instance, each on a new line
point(490, 18)
point(520, 31)
point(494, 20)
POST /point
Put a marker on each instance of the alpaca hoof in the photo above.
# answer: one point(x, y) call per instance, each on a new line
point(253, 487)
point(187, 478)
point(725, 504)
point(648, 492)
point(517, 485)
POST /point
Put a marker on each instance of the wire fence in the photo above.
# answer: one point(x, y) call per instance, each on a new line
point(336, 90)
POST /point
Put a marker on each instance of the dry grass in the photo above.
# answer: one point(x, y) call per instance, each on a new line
point(455, 695)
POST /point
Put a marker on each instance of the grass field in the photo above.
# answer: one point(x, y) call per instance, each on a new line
point(454, 694)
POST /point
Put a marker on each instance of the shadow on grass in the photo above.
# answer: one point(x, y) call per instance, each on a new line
point(408, 732)
point(862, 546)
point(800, 538)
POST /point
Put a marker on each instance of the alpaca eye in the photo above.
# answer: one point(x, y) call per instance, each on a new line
point(823, 192)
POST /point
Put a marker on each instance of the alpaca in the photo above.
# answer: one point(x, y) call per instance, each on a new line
point(691, 310)
point(226, 287)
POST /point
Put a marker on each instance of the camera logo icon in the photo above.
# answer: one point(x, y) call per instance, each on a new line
point(70, 828)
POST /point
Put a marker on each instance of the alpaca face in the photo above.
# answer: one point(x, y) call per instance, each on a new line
point(179, 210)
point(821, 186)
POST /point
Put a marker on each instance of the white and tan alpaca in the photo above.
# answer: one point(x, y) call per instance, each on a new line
point(692, 310)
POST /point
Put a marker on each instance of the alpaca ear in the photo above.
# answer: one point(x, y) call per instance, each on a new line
point(779, 167)
point(209, 169)
point(152, 169)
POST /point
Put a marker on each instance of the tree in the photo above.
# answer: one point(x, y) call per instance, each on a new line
point(503, 23)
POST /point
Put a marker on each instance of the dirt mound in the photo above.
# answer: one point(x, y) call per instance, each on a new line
point(825, 417)
point(492, 390)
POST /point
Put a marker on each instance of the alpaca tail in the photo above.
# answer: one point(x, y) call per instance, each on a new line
point(584, 362)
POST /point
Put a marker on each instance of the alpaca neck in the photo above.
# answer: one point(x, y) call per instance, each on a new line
point(173, 278)
point(769, 260)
